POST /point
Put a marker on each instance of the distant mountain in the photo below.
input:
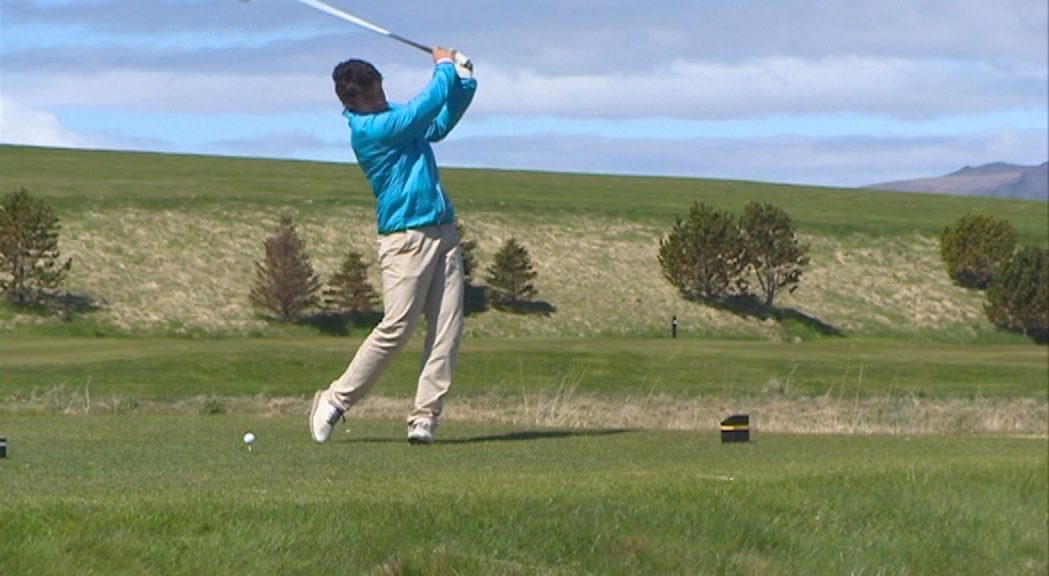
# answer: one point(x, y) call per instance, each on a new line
point(997, 179)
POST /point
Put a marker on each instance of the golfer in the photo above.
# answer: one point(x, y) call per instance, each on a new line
point(419, 252)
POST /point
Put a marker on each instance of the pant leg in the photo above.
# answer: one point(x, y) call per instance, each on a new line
point(407, 261)
point(444, 320)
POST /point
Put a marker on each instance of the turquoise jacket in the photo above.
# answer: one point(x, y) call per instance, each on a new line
point(393, 150)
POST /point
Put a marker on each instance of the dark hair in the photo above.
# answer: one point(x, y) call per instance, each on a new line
point(353, 78)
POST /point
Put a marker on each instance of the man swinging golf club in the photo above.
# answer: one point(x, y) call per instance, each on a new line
point(419, 252)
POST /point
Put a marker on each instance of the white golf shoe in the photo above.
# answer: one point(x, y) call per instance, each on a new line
point(421, 431)
point(323, 417)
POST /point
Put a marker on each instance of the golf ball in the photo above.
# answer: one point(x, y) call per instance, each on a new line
point(249, 438)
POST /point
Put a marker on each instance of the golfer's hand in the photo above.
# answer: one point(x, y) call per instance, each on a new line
point(442, 54)
point(463, 66)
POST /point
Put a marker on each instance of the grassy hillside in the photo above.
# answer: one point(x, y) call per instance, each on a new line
point(78, 178)
point(169, 241)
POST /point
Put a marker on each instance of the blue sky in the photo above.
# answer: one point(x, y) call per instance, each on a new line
point(828, 92)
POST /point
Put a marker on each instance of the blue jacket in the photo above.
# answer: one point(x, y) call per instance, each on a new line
point(393, 150)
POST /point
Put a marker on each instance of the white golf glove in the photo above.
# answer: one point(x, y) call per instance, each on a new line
point(463, 66)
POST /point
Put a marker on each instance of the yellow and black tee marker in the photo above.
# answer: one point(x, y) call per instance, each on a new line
point(736, 428)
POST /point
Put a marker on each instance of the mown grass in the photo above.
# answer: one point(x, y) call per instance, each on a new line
point(827, 386)
point(181, 368)
point(182, 495)
point(582, 442)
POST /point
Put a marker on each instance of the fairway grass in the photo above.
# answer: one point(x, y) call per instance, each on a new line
point(831, 385)
point(132, 494)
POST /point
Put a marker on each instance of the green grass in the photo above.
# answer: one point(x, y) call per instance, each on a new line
point(830, 386)
point(182, 495)
point(159, 369)
point(580, 443)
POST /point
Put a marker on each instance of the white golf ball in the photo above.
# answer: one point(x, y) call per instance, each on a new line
point(249, 438)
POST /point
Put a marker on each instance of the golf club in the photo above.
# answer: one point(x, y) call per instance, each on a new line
point(328, 8)
point(460, 58)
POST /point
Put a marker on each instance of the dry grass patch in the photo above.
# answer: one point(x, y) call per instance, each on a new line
point(892, 284)
point(191, 271)
point(568, 409)
point(877, 415)
point(601, 275)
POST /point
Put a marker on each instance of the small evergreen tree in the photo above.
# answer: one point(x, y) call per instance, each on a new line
point(1018, 299)
point(475, 297)
point(29, 257)
point(703, 255)
point(975, 247)
point(510, 276)
point(772, 250)
point(467, 247)
point(285, 282)
point(349, 291)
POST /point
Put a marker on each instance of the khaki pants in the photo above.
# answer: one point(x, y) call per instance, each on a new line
point(422, 274)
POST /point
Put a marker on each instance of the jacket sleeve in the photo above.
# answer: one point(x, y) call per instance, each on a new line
point(459, 99)
point(417, 116)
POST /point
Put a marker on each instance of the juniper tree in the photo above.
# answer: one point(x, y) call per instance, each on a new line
point(772, 250)
point(702, 256)
point(348, 291)
point(1018, 299)
point(510, 276)
point(29, 256)
point(975, 247)
point(285, 282)
point(467, 247)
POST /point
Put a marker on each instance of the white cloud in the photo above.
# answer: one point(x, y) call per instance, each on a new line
point(157, 91)
point(701, 90)
point(34, 126)
point(196, 76)
point(277, 145)
point(834, 160)
point(20, 124)
point(890, 87)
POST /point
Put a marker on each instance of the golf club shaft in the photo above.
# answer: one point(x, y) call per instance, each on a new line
point(325, 7)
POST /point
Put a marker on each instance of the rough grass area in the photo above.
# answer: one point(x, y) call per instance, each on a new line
point(569, 409)
point(189, 271)
point(867, 285)
point(168, 243)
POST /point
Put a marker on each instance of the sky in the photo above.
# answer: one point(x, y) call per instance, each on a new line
point(824, 92)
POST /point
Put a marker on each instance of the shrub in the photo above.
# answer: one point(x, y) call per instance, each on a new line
point(214, 407)
point(703, 255)
point(975, 247)
point(1018, 299)
point(475, 298)
point(772, 250)
point(285, 282)
point(467, 247)
point(349, 291)
point(29, 256)
point(510, 276)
